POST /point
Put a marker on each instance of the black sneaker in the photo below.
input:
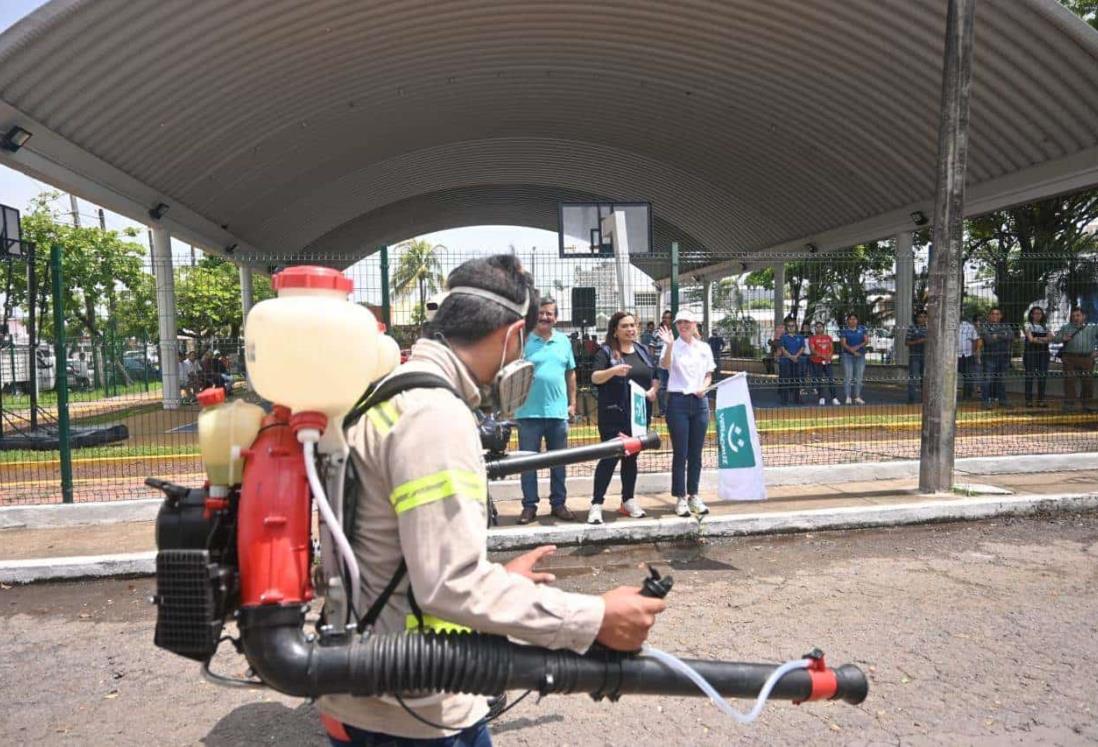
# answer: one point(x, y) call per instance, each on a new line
point(529, 513)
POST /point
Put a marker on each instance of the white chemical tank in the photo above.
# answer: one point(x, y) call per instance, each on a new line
point(311, 348)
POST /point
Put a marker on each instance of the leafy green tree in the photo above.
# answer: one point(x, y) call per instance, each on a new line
point(1085, 9)
point(98, 267)
point(417, 269)
point(208, 303)
point(833, 287)
point(1031, 249)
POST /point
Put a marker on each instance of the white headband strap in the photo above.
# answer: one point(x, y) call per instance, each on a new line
point(468, 290)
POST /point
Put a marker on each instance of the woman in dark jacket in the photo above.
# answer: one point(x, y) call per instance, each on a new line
point(619, 361)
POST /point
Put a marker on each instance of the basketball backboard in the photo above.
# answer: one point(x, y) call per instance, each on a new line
point(581, 234)
point(11, 234)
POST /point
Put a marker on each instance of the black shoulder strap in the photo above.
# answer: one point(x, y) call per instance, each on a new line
point(374, 612)
point(380, 392)
point(393, 385)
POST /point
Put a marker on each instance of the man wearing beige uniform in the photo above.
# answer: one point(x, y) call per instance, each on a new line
point(422, 500)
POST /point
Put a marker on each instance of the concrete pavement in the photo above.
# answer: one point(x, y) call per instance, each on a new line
point(90, 550)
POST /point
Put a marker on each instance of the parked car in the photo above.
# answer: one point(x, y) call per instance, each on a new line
point(136, 365)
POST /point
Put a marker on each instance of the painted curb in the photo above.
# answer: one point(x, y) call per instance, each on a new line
point(945, 509)
point(83, 566)
point(53, 516)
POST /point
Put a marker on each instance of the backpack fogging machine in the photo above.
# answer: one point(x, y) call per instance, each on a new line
point(241, 547)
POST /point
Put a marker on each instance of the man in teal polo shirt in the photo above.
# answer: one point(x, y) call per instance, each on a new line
point(545, 414)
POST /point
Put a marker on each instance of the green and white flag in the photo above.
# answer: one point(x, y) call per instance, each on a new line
point(738, 454)
point(639, 419)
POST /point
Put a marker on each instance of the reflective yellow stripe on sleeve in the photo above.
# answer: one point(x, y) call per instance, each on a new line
point(437, 487)
point(383, 416)
point(438, 625)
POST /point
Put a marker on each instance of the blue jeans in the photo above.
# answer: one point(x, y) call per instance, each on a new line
point(475, 736)
point(916, 369)
point(790, 375)
point(853, 374)
point(687, 420)
point(531, 433)
point(995, 368)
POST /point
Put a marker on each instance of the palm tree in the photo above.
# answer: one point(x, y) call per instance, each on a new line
point(417, 268)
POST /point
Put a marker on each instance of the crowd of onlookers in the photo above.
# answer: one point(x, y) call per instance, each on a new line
point(986, 345)
point(212, 369)
point(675, 366)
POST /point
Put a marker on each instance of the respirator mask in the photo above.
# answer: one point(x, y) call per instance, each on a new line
point(511, 385)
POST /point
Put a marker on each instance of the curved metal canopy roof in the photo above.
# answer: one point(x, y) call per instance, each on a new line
point(331, 126)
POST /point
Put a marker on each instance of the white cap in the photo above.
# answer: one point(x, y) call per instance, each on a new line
point(686, 315)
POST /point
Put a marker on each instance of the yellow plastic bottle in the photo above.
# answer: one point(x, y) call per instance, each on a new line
point(310, 348)
point(223, 431)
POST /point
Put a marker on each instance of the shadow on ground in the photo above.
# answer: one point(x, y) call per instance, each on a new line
point(267, 723)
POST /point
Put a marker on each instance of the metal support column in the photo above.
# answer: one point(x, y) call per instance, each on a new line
point(674, 278)
point(32, 335)
point(707, 288)
point(247, 298)
point(64, 447)
point(165, 307)
point(905, 292)
point(940, 381)
point(386, 306)
point(779, 295)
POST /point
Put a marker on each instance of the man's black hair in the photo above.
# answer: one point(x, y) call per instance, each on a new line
point(467, 319)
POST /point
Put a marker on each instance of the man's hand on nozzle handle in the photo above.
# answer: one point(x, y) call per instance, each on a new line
point(628, 618)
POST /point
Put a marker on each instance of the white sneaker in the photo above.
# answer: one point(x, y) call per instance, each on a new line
point(849, 401)
point(859, 401)
point(697, 505)
point(823, 401)
point(681, 507)
point(834, 400)
point(594, 514)
point(631, 509)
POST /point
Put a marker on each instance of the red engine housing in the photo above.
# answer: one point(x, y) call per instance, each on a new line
point(274, 519)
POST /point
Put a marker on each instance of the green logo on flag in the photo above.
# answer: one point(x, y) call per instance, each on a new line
point(640, 411)
point(735, 447)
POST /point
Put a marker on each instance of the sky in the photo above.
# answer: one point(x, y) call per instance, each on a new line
point(17, 190)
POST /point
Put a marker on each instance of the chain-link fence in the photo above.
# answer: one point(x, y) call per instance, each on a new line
point(827, 387)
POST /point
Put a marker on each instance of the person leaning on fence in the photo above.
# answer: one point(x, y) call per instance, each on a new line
point(995, 340)
point(792, 354)
point(618, 362)
point(968, 358)
point(852, 341)
point(915, 340)
point(545, 414)
point(689, 363)
point(821, 352)
point(1035, 354)
point(1080, 349)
